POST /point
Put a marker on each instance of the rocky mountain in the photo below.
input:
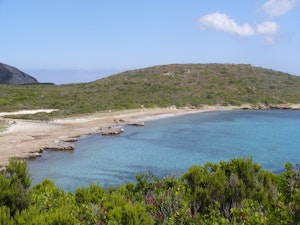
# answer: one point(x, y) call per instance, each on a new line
point(11, 75)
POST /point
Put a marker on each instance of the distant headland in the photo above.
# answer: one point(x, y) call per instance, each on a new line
point(12, 75)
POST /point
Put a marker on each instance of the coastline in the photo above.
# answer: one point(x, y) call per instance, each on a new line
point(28, 139)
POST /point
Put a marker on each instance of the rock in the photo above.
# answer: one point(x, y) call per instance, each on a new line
point(262, 106)
point(11, 75)
point(139, 124)
point(112, 131)
point(119, 121)
point(33, 155)
point(71, 139)
point(60, 148)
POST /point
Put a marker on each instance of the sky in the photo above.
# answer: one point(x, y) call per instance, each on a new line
point(70, 41)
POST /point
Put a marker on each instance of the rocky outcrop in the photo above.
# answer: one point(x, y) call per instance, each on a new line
point(70, 139)
point(39, 153)
point(138, 124)
point(11, 75)
point(271, 106)
point(33, 155)
point(60, 148)
point(112, 131)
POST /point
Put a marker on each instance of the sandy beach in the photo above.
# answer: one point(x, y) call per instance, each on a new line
point(27, 138)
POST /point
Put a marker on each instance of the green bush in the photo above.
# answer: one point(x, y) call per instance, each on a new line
point(14, 185)
point(236, 192)
point(5, 218)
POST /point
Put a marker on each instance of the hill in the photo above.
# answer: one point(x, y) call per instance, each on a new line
point(192, 85)
point(198, 84)
point(11, 75)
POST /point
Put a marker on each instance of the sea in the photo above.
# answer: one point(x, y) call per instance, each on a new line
point(170, 146)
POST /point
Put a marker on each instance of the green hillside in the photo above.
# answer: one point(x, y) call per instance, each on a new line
point(179, 84)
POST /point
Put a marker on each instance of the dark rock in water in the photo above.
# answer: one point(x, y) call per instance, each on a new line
point(11, 75)
point(60, 148)
point(139, 124)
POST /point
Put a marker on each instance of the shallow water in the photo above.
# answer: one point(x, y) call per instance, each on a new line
point(170, 146)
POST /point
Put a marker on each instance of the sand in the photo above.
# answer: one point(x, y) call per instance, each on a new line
point(27, 138)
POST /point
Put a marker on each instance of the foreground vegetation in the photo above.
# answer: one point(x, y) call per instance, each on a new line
point(160, 86)
point(234, 192)
point(3, 125)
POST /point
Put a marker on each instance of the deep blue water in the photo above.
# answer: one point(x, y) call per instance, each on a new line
point(170, 146)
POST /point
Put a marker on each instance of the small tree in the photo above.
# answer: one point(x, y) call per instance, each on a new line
point(14, 184)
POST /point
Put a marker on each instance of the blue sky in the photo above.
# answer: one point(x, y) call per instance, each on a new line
point(65, 41)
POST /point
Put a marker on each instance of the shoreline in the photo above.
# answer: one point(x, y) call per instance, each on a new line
point(28, 138)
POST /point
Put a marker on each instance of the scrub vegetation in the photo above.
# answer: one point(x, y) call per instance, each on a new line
point(3, 125)
point(230, 192)
point(180, 85)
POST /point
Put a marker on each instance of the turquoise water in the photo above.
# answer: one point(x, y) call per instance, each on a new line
point(170, 146)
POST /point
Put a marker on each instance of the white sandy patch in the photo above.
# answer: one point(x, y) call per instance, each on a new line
point(27, 112)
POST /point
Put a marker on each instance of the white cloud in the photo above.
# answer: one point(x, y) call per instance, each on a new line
point(222, 22)
point(267, 28)
point(279, 7)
